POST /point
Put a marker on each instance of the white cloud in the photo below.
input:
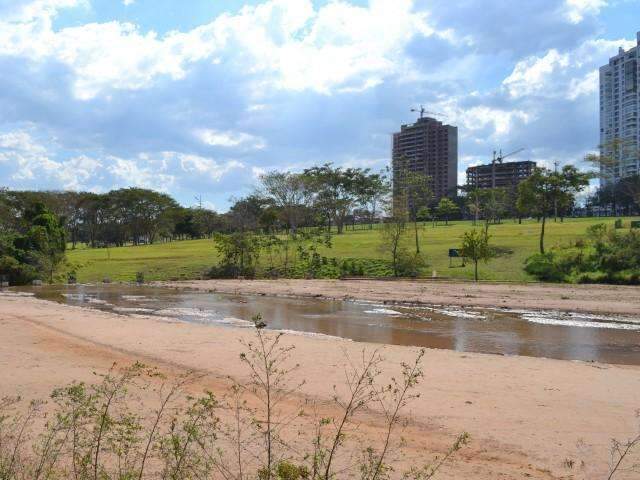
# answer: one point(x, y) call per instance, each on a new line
point(20, 141)
point(31, 161)
point(569, 74)
point(471, 120)
point(143, 171)
point(576, 10)
point(203, 166)
point(25, 11)
point(126, 3)
point(530, 75)
point(286, 42)
point(217, 138)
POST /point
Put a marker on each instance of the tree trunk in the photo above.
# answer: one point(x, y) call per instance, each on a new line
point(475, 272)
point(415, 223)
point(544, 221)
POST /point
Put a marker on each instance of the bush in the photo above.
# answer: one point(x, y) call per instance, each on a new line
point(227, 270)
point(543, 267)
point(607, 256)
point(410, 264)
point(18, 273)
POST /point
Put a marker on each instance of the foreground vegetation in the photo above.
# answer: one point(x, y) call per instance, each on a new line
point(513, 243)
point(135, 423)
point(105, 431)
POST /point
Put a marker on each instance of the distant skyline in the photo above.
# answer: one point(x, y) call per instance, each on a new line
point(200, 97)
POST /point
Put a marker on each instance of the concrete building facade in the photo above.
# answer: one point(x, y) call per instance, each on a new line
point(430, 147)
point(619, 111)
point(500, 175)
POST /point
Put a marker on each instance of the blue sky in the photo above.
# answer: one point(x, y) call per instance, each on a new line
point(200, 97)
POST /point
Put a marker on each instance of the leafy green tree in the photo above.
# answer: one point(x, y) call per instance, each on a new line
point(608, 163)
point(494, 206)
point(335, 191)
point(475, 246)
point(417, 194)
point(425, 214)
point(393, 236)
point(372, 190)
point(446, 208)
point(289, 192)
point(239, 251)
point(40, 249)
point(544, 188)
point(474, 202)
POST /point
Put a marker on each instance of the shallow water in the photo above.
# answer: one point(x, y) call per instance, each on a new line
point(552, 334)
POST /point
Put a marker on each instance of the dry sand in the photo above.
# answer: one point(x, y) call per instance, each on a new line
point(525, 415)
point(584, 298)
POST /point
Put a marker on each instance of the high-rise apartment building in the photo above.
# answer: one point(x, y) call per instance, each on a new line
point(429, 147)
point(619, 110)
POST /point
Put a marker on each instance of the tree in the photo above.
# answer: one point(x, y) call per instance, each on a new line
point(239, 251)
point(372, 192)
point(631, 187)
point(335, 191)
point(494, 206)
point(248, 212)
point(609, 162)
point(446, 208)
point(474, 202)
point(418, 193)
point(289, 192)
point(544, 188)
point(475, 245)
point(425, 214)
point(393, 234)
point(413, 192)
point(40, 249)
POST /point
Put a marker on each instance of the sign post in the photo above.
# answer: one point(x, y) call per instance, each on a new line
point(455, 253)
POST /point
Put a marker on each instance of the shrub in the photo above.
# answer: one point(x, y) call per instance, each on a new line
point(607, 256)
point(18, 273)
point(543, 267)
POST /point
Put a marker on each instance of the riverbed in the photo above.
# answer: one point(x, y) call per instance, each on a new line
point(565, 335)
point(527, 417)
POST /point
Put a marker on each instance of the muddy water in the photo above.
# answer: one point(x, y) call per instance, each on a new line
point(552, 334)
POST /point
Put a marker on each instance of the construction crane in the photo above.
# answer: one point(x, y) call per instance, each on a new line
point(498, 157)
point(423, 111)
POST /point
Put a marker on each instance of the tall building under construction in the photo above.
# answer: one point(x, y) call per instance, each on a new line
point(429, 147)
point(499, 175)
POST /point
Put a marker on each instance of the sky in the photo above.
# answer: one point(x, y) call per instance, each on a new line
point(199, 97)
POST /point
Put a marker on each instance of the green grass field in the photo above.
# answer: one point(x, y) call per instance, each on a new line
point(189, 259)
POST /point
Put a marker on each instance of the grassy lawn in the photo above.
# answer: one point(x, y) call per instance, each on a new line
point(188, 259)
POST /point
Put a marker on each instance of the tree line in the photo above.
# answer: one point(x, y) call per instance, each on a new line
point(289, 217)
point(126, 216)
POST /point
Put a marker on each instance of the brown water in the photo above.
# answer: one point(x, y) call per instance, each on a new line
point(552, 334)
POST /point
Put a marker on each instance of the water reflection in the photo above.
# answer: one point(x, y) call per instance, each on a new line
point(559, 335)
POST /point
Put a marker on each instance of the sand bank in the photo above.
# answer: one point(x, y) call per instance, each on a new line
point(525, 415)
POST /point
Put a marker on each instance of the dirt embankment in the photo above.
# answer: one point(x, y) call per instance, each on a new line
point(623, 300)
point(525, 415)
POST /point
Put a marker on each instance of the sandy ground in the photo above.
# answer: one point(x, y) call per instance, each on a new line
point(526, 416)
point(583, 298)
